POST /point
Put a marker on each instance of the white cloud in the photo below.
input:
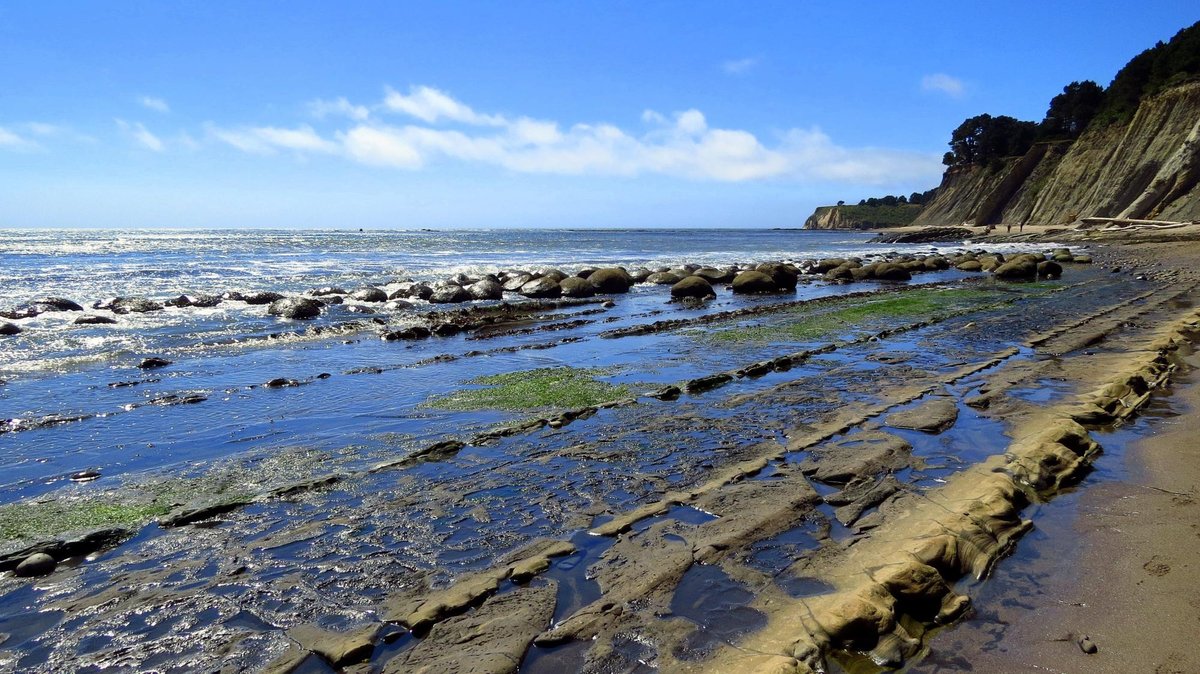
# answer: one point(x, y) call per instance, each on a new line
point(154, 103)
point(322, 109)
point(684, 144)
point(10, 140)
point(271, 139)
point(739, 66)
point(141, 135)
point(430, 105)
point(951, 86)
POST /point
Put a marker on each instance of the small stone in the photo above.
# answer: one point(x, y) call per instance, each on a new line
point(153, 363)
point(1088, 646)
point(85, 476)
point(37, 564)
point(8, 329)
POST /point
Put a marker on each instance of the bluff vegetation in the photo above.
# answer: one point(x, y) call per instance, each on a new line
point(1131, 150)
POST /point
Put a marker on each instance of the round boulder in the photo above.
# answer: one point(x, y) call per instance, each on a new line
point(892, 272)
point(664, 278)
point(969, 265)
point(369, 294)
point(1017, 268)
point(134, 305)
point(541, 288)
point(295, 308)
point(94, 320)
point(785, 276)
point(37, 564)
point(693, 286)
point(575, 286)
point(449, 293)
point(265, 297)
point(8, 329)
point(326, 290)
point(611, 280)
point(486, 289)
point(749, 282)
point(1049, 269)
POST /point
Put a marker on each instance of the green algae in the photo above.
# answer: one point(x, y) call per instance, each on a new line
point(846, 318)
point(561, 387)
point(29, 520)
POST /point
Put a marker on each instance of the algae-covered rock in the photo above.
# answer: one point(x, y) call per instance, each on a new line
point(577, 287)
point(692, 286)
point(611, 280)
point(751, 282)
point(1049, 269)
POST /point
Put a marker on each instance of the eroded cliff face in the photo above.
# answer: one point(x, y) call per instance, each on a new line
point(1146, 168)
point(861, 217)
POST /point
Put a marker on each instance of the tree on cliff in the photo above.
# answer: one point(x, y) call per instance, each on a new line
point(983, 139)
point(1158, 68)
point(1071, 111)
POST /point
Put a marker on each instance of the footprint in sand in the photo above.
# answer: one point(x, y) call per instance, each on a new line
point(1157, 567)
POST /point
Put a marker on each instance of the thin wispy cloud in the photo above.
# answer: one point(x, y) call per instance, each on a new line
point(943, 83)
point(10, 140)
point(272, 139)
point(339, 107)
point(682, 144)
point(431, 105)
point(154, 103)
point(739, 66)
point(141, 135)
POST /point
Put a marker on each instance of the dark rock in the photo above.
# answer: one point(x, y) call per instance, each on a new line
point(396, 305)
point(296, 308)
point(486, 289)
point(640, 274)
point(1049, 269)
point(749, 282)
point(281, 382)
point(85, 476)
point(181, 301)
point(411, 332)
point(892, 272)
point(265, 297)
point(446, 329)
point(514, 282)
point(9, 329)
point(1019, 268)
point(714, 275)
point(333, 299)
point(326, 290)
point(359, 309)
point(664, 278)
point(449, 293)
point(204, 301)
point(693, 286)
point(926, 235)
point(608, 304)
point(785, 276)
point(543, 287)
point(611, 280)
point(231, 295)
point(369, 295)
point(1088, 646)
point(153, 363)
point(133, 305)
point(49, 304)
point(37, 564)
point(969, 265)
point(549, 273)
point(577, 287)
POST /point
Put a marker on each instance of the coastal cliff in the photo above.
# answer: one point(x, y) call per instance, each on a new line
point(1148, 167)
point(862, 217)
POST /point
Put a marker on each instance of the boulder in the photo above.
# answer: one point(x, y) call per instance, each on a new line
point(369, 294)
point(326, 290)
point(49, 304)
point(296, 308)
point(892, 272)
point(1017, 268)
point(411, 332)
point(446, 329)
point(515, 281)
point(1049, 269)
point(640, 274)
point(785, 276)
point(449, 293)
point(204, 301)
point(133, 305)
point(714, 275)
point(540, 288)
point(576, 287)
point(1082, 259)
point(265, 297)
point(396, 305)
point(95, 320)
point(693, 286)
point(749, 282)
point(611, 280)
point(550, 273)
point(9, 329)
point(664, 278)
point(486, 289)
point(969, 265)
point(153, 363)
point(37, 564)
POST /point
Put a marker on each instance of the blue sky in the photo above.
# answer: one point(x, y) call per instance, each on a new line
point(495, 114)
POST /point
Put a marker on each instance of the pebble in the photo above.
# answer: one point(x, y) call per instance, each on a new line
point(1088, 646)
